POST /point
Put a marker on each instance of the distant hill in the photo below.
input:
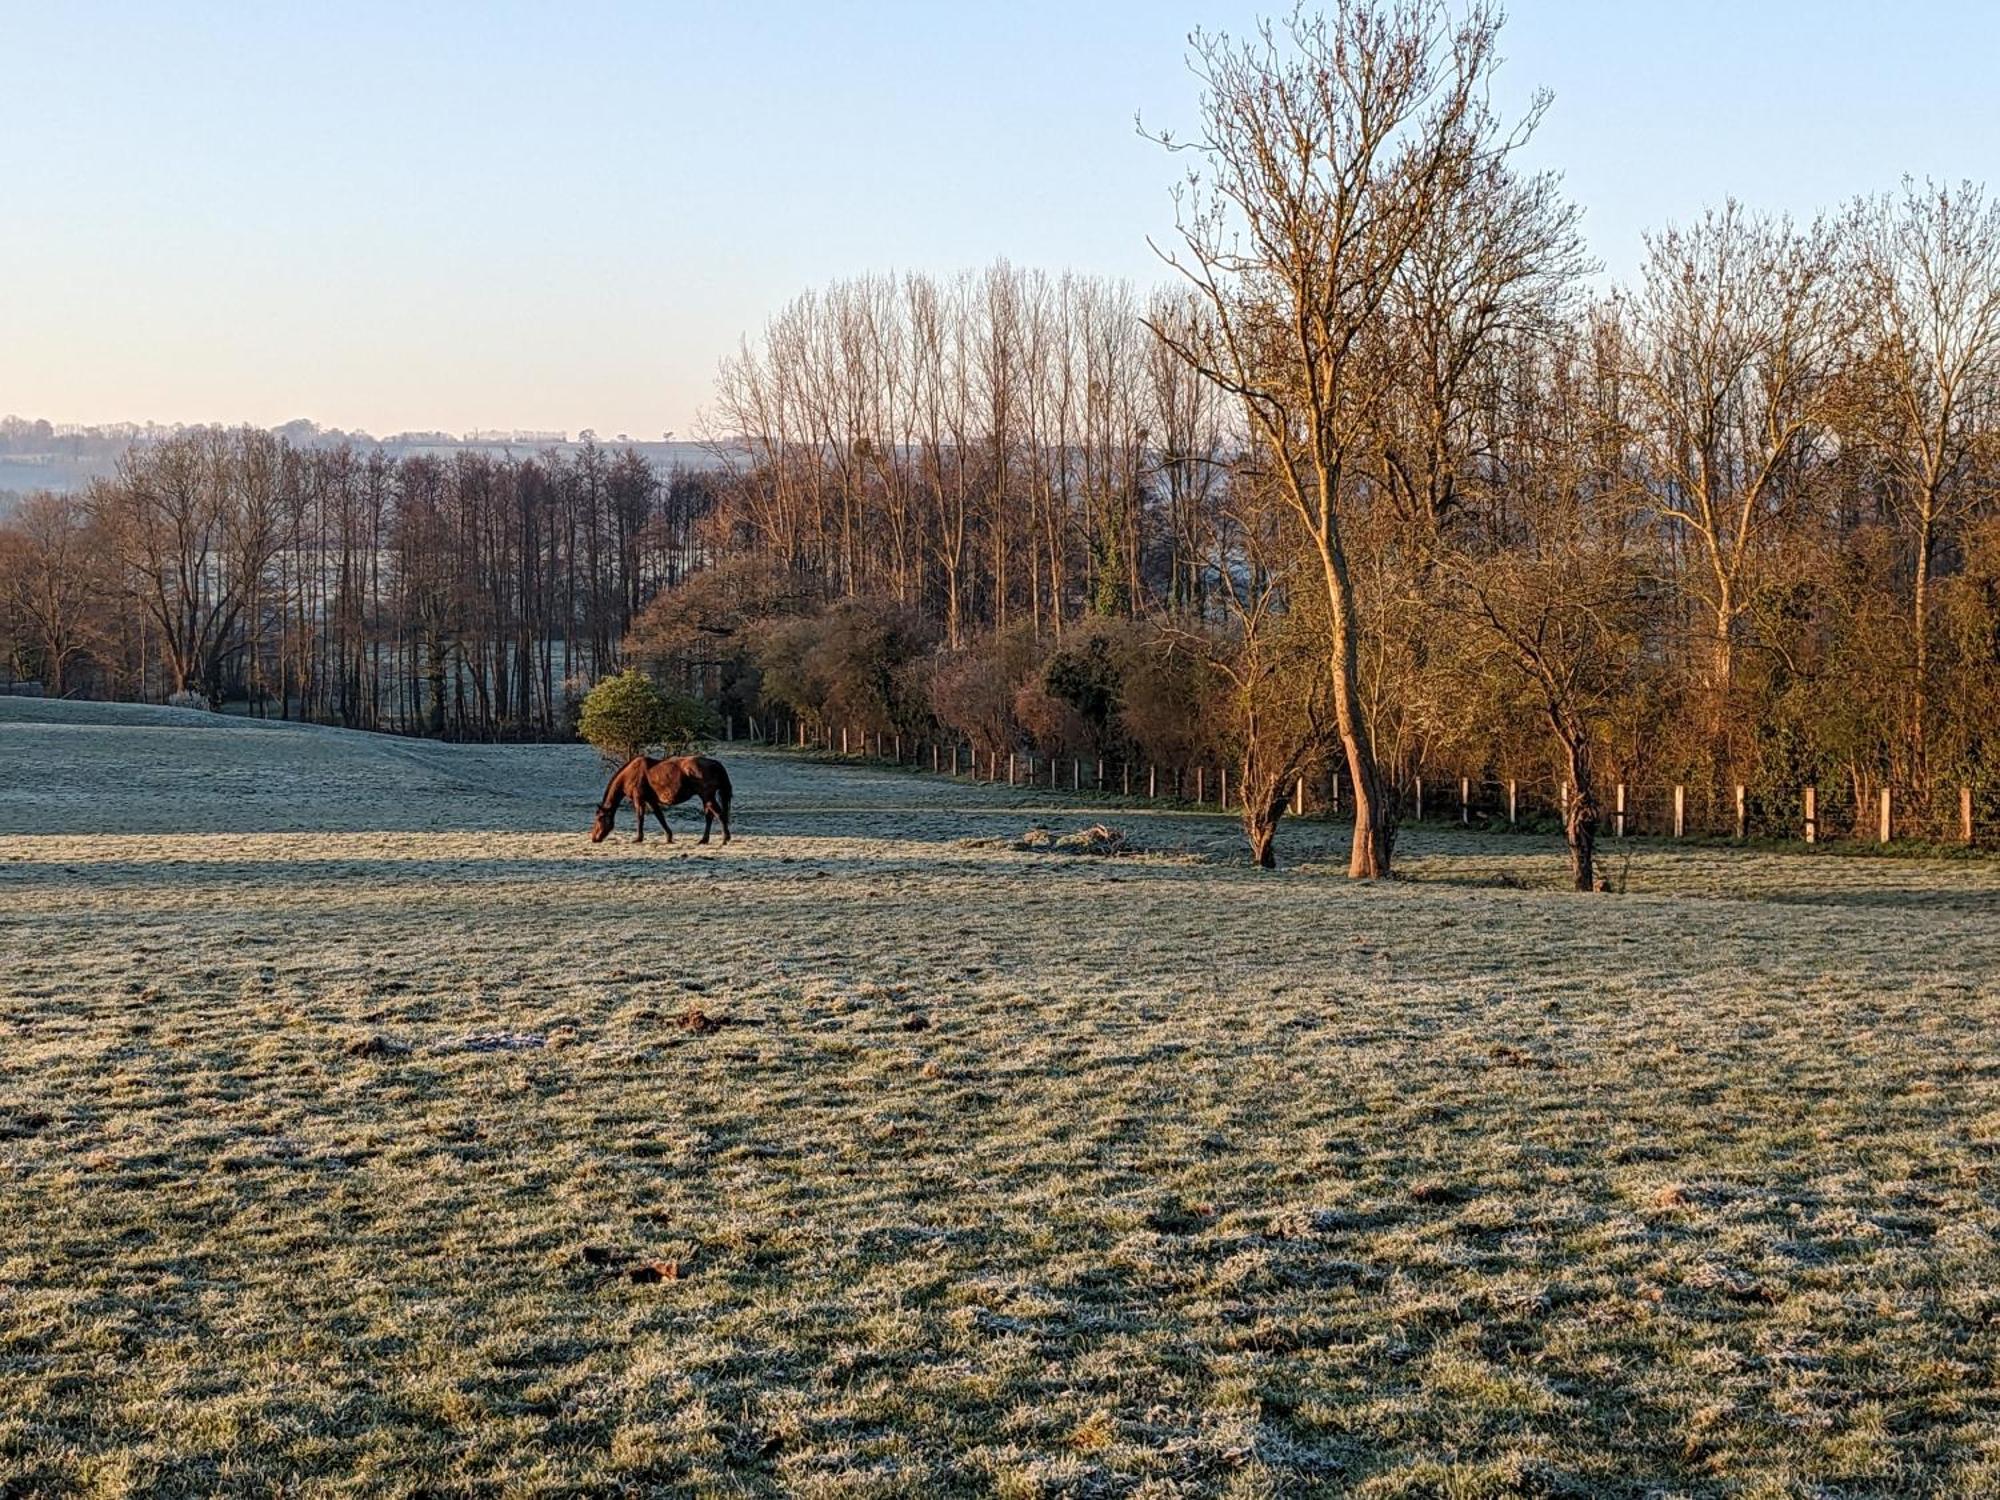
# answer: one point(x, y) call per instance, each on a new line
point(35, 455)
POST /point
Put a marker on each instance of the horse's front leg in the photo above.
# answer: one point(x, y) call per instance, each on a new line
point(639, 816)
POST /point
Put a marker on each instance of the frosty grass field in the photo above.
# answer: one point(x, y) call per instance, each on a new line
point(972, 1169)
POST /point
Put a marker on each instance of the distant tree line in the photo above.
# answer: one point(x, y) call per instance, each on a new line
point(986, 448)
point(468, 596)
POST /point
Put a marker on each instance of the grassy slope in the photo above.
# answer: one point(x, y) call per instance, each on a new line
point(1010, 1172)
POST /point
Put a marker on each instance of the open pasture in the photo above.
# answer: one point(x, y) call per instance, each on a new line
point(969, 1168)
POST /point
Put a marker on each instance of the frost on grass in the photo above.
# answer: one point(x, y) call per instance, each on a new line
point(976, 1172)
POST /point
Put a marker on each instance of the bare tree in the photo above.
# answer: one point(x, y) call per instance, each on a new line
point(193, 523)
point(1188, 447)
point(1269, 651)
point(1327, 150)
point(52, 583)
point(1736, 343)
point(1931, 279)
point(1543, 569)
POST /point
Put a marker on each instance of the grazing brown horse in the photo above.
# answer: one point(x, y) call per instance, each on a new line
point(656, 785)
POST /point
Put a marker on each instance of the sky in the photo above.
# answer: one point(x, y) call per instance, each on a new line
point(393, 217)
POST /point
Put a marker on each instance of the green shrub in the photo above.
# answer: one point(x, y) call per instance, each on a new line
point(1084, 675)
point(629, 714)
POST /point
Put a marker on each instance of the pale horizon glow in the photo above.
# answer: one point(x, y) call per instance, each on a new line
point(465, 217)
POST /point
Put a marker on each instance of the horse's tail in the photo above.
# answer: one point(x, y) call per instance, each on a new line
point(723, 790)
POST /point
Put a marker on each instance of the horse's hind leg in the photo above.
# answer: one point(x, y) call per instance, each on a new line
point(660, 812)
point(707, 818)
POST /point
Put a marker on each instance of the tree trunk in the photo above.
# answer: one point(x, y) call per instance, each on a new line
point(1580, 817)
point(1920, 687)
point(1260, 827)
point(1374, 818)
point(436, 673)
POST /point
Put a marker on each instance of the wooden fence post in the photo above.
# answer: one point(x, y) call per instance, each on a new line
point(1125, 769)
point(1742, 813)
point(1200, 790)
point(1620, 815)
point(1812, 815)
point(1885, 817)
point(1100, 773)
point(1420, 799)
point(1223, 800)
point(1965, 814)
point(1465, 800)
point(729, 728)
point(1513, 802)
point(1680, 811)
point(1075, 774)
point(1333, 794)
point(1010, 768)
point(1299, 798)
point(1152, 783)
point(937, 756)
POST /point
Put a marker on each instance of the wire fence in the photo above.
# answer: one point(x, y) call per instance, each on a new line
point(1963, 815)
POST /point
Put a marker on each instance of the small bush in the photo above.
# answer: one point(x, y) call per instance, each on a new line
point(1087, 676)
point(190, 698)
point(853, 665)
point(975, 691)
point(626, 715)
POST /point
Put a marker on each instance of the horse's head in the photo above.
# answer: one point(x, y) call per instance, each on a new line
point(603, 824)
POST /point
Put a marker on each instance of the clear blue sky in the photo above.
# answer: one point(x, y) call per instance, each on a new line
point(433, 215)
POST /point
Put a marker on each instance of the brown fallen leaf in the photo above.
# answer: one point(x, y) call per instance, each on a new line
point(656, 1271)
